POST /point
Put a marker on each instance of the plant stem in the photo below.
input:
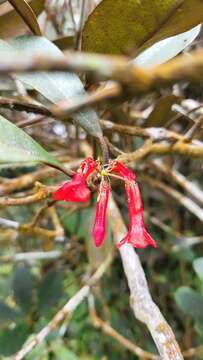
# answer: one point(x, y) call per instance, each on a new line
point(105, 150)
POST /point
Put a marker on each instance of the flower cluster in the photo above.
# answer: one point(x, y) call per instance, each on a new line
point(76, 190)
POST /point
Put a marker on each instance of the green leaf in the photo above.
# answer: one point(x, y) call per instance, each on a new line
point(199, 327)
point(11, 24)
point(11, 340)
point(166, 49)
point(131, 26)
point(50, 291)
point(23, 286)
point(61, 352)
point(198, 267)
point(7, 314)
point(17, 146)
point(190, 302)
point(55, 86)
point(162, 111)
point(27, 14)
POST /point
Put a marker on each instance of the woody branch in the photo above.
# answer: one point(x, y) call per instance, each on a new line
point(141, 302)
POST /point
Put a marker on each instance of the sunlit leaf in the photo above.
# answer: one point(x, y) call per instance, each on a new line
point(131, 26)
point(27, 14)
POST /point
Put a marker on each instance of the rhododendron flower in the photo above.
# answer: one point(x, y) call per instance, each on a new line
point(99, 228)
point(137, 235)
point(76, 190)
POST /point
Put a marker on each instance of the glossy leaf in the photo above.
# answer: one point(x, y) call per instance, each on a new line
point(198, 267)
point(190, 302)
point(27, 14)
point(11, 24)
point(17, 146)
point(166, 49)
point(55, 86)
point(129, 27)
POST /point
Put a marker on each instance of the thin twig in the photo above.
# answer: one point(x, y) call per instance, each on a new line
point(189, 186)
point(188, 203)
point(66, 310)
point(107, 329)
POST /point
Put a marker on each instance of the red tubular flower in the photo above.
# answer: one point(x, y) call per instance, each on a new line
point(121, 170)
point(137, 235)
point(76, 190)
point(99, 228)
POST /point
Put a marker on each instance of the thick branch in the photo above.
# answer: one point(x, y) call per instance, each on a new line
point(183, 67)
point(142, 304)
point(194, 149)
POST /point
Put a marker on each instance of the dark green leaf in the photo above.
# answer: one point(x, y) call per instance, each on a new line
point(190, 302)
point(23, 286)
point(11, 24)
point(11, 340)
point(17, 146)
point(64, 43)
point(131, 26)
point(27, 14)
point(7, 314)
point(50, 290)
point(162, 111)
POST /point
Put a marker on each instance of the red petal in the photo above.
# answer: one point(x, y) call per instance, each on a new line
point(87, 166)
point(74, 190)
point(99, 228)
point(137, 235)
point(122, 170)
